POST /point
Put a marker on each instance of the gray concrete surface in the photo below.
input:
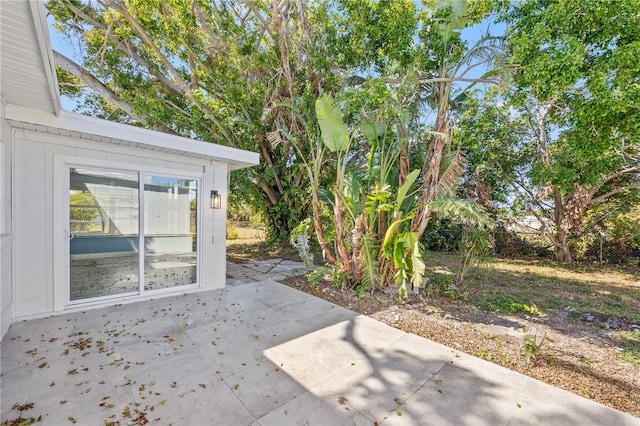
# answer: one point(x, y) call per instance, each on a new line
point(261, 353)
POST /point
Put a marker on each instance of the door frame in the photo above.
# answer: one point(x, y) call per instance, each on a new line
point(61, 242)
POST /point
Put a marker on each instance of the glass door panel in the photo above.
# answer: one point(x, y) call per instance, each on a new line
point(170, 229)
point(103, 233)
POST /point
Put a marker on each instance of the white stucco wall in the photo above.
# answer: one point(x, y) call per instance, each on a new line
point(40, 175)
point(6, 283)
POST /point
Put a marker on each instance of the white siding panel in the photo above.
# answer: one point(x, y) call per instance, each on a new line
point(92, 153)
point(30, 228)
point(124, 159)
point(152, 162)
point(6, 237)
point(214, 263)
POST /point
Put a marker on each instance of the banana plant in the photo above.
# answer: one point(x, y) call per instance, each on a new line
point(403, 247)
point(335, 137)
point(374, 216)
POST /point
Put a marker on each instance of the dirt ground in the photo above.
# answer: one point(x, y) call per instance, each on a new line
point(575, 353)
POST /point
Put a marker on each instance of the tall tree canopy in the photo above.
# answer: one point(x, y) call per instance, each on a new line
point(566, 135)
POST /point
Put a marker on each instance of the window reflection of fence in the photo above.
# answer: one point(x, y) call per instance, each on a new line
point(593, 248)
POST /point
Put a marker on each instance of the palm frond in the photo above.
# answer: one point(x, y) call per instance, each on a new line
point(370, 273)
point(453, 173)
point(461, 211)
point(274, 138)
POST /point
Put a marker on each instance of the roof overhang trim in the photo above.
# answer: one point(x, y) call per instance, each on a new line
point(123, 134)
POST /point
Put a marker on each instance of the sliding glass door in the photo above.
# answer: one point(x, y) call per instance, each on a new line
point(130, 232)
point(104, 233)
point(170, 230)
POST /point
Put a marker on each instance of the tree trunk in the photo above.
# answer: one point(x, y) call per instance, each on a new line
point(317, 226)
point(357, 258)
point(341, 248)
point(431, 175)
point(563, 247)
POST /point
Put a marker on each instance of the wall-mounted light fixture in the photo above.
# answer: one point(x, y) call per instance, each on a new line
point(216, 200)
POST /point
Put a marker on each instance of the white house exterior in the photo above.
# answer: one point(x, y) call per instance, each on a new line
point(95, 212)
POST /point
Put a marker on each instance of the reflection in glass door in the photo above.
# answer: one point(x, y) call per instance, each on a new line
point(170, 230)
point(103, 233)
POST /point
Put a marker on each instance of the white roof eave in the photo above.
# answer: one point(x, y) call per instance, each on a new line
point(143, 138)
point(42, 33)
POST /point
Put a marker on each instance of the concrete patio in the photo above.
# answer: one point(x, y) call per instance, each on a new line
point(261, 353)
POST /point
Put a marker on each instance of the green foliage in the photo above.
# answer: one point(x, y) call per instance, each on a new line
point(335, 134)
point(630, 342)
point(247, 75)
point(232, 232)
point(83, 211)
point(476, 227)
point(496, 302)
point(563, 138)
point(371, 208)
point(317, 275)
point(532, 345)
point(299, 239)
point(407, 259)
point(371, 267)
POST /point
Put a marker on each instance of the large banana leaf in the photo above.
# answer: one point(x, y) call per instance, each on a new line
point(402, 191)
point(335, 134)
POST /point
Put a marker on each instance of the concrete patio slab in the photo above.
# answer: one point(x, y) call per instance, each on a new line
point(261, 353)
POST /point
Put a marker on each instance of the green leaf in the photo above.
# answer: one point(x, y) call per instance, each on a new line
point(388, 243)
point(370, 276)
point(373, 131)
point(402, 191)
point(335, 134)
point(326, 196)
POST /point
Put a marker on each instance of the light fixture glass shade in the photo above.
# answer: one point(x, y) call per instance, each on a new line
point(216, 200)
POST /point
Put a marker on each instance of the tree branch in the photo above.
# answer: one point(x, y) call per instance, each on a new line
point(614, 192)
point(184, 86)
point(95, 84)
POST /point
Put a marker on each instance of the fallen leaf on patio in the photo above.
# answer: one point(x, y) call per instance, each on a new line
point(174, 384)
point(72, 420)
point(342, 400)
point(71, 372)
point(64, 401)
point(23, 407)
point(203, 386)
